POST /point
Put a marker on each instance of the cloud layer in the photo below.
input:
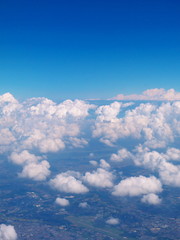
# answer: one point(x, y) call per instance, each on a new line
point(32, 129)
point(42, 126)
point(156, 94)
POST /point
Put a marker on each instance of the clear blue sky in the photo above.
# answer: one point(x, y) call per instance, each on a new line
point(88, 49)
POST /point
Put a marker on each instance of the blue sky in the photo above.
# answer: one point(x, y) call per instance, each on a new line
point(88, 49)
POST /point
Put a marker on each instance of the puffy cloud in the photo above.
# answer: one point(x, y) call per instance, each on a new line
point(42, 126)
point(64, 182)
point(108, 112)
point(50, 145)
point(104, 164)
point(151, 198)
point(99, 178)
point(168, 172)
point(158, 94)
point(112, 221)
point(62, 202)
point(155, 125)
point(173, 154)
point(135, 186)
point(36, 171)
point(23, 157)
point(7, 98)
point(83, 205)
point(6, 137)
point(121, 155)
point(147, 158)
point(7, 232)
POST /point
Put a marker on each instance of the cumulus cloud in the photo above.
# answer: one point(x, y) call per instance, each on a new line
point(6, 137)
point(121, 155)
point(83, 205)
point(156, 125)
point(168, 172)
point(156, 94)
point(23, 157)
point(64, 182)
point(173, 154)
point(42, 126)
point(7, 98)
point(104, 164)
point(62, 202)
point(36, 171)
point(135, 186)
point(147, 158)
point(7, 232)
point(108, 112)
point(99, 178)
point(112, 221)
point(151, 198)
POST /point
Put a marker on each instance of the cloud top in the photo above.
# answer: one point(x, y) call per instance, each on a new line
point(62, 202)
point(135, 186)
point(64, 182)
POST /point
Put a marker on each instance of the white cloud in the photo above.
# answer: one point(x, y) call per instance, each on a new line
point(108, 112)
point(6, 137)
point(155, 125)
point(7, 98)
point(112, 221)
point(62, 202)
point(104, 164)
point(24, 157)
point(99, 178)
point(64, 182)
point(147, 158)
point(94, 163)
point(83, 205)
point(36, 171)
point(134, 186)
point(168, 172)
point(121, 155)
point(173, 154)
point(151, 94)
point(50, 145)
point(7, 232)
point(42, 126)
point(151, 198)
